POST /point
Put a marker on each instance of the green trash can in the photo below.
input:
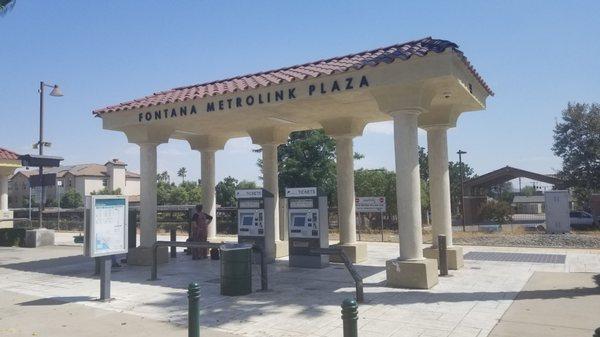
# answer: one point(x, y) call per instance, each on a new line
point(236, 269)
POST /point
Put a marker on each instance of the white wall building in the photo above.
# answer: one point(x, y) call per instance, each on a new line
point(83, 178)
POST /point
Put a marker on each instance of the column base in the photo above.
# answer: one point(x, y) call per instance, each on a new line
point(142, 256)
point(416, 274)
point(39, 237)
point(454, 254)
point(6, 215)
point(356, 252)
point(281, 249)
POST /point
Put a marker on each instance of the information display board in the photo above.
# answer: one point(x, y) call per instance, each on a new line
point(106, 228)
point(370, 204)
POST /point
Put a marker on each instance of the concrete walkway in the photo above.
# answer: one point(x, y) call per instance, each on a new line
point(24, 315)
point(554, 305)
point(300, 302)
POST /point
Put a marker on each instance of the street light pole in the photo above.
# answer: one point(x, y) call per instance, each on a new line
point(41, 152)
point(462, 189)
point(57, 93)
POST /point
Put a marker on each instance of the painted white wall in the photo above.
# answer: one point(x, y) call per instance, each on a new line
point(132, 187)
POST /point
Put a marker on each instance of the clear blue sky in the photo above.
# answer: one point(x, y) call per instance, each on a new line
point(536, 56)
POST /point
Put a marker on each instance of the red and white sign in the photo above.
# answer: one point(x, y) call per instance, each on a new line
point(370, 204)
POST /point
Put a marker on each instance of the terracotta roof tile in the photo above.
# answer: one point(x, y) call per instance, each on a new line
point(8, 155)
point(345, 63)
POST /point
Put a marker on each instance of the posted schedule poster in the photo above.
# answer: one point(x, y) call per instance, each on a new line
point(108, 225)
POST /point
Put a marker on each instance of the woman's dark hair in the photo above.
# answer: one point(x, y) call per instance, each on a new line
point(199, 208)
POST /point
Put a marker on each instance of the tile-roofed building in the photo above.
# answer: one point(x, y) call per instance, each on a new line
point(8, 155)
point(356, 61)
point(84, 178)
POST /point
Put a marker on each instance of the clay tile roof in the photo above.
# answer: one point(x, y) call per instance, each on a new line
point(403, 51)
point(8, 155)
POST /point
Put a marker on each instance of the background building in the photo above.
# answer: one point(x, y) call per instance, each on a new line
point(83, 178)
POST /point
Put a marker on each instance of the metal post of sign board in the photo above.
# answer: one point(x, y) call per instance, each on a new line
point(29, 203)
point(381, 217)
point(105, 266)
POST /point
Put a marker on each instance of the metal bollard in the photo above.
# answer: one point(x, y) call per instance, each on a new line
point(194, 310)
point(350, 317)
point(597, 333)
point(173, 238)
point(443, 255)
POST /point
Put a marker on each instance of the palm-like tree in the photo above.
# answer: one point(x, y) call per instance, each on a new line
point(6, 5)
point(182, 173)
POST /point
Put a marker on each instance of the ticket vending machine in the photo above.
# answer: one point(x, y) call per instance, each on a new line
point(253, 222)
point(308, 227)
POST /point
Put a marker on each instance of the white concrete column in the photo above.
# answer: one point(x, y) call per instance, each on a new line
point(147, 194)
point(408, 189)
point(439, 183)
point(207, 178)
point(3, 193)
point(271, 181)
point(345, 189)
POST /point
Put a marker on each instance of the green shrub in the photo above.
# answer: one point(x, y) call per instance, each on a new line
point(496, 211)
point(10, 237)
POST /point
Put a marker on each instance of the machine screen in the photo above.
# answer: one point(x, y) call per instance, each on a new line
point(299, 221)
point(247, 219)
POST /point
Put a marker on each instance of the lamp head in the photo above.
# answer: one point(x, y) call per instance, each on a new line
point(56, 91)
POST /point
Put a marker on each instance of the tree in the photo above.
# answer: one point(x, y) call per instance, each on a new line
point(455, 186)
point(6, 6)
point(182, 172)
point(225, 190)
point(71, 199)
point(163, 177)
point(308, 159)
point(577, 143)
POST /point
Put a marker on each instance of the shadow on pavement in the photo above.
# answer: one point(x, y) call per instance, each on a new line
point(57, 300)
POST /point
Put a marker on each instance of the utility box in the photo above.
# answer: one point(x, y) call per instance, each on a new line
point(557, 212)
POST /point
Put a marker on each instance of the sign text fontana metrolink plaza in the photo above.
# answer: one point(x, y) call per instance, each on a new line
point(322, 88)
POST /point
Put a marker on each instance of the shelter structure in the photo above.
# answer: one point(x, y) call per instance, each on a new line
point(9, 162)
point(426, 83)
point(476, 188)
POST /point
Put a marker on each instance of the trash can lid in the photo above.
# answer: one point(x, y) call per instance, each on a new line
point(234, 246)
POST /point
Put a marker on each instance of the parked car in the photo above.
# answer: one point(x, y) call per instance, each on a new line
point(581, 219)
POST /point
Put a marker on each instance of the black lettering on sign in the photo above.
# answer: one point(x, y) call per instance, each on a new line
point(260, 101)
point(229, 103)
point(166, 111)
point(238, 102)
point(157, 115)
point(173, 113)
point(140, 116)
point(311, 89)
point(278, 95)
point(148, 116)
point(193, 111)
point(335, 86)
point(349, 83)
point(291, 94)
point(183, 111)
point(363, 82)
point(221, 105)
point(323, 88)
point(210, 107)
point(249, 100)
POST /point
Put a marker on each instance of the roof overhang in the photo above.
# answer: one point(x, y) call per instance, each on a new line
point(441, 84)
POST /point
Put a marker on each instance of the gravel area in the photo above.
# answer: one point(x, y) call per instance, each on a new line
point(572, 240)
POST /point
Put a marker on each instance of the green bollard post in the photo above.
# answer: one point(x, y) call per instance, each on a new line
point(194, 310)
point(350, 317)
